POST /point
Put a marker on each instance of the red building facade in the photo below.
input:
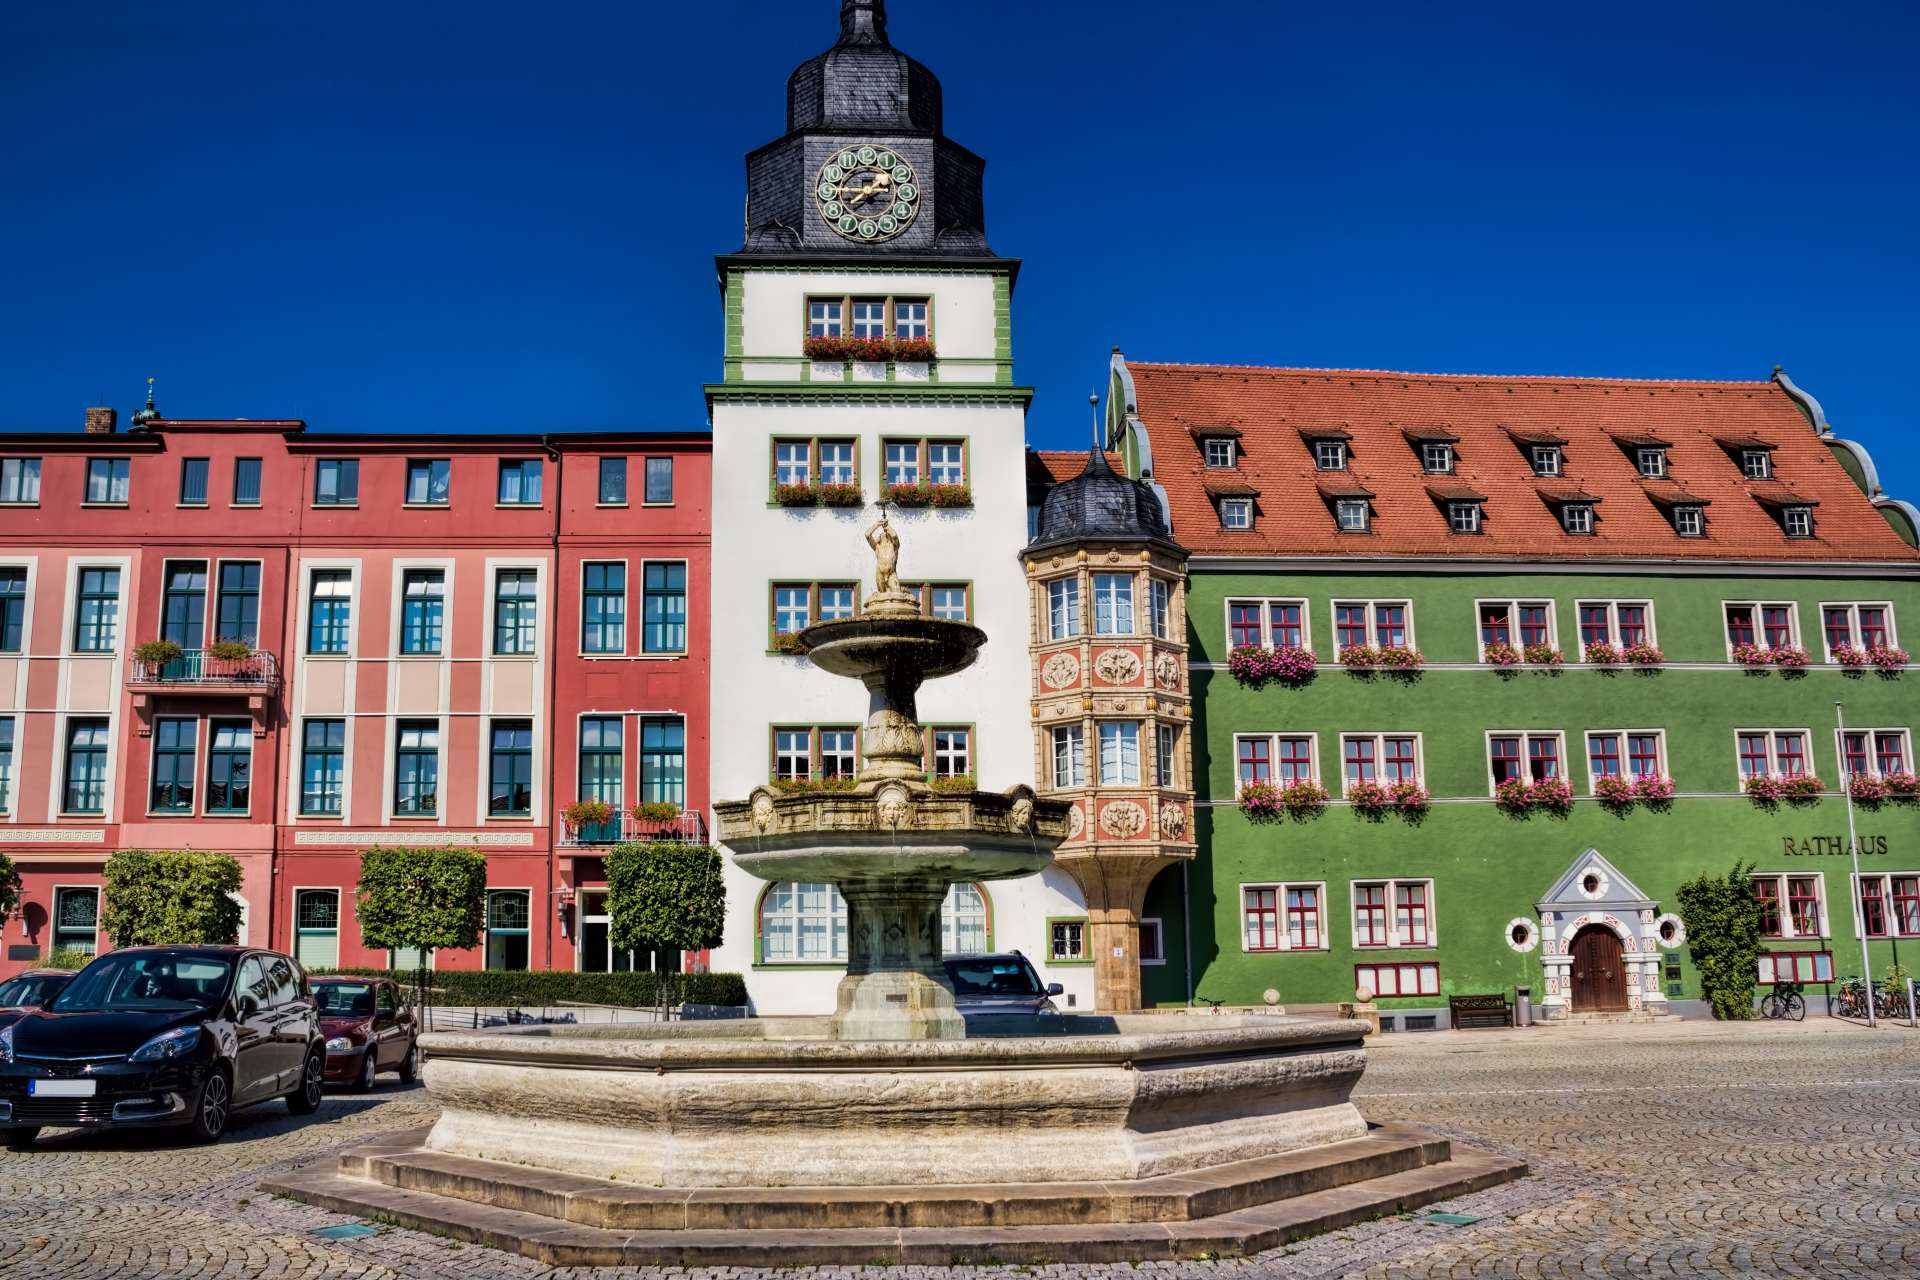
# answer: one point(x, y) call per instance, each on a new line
point(382, 640)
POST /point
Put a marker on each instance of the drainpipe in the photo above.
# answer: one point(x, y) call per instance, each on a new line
point(1186, 930)
point(553, 688)
point(1853, 852)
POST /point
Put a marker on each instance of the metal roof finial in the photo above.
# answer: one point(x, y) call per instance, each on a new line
point(863, 21)
point(143, 416)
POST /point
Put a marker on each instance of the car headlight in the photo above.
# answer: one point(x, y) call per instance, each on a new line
point(167, 1046)
point(339, 1044)
point(1047, 1007)
point(6, 1044)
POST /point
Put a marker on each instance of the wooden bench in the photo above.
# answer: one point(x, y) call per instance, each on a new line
point(1479, 1011)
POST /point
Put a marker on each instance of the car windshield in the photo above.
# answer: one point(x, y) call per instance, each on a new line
point(343, 999)
point(162, 981)
point(19, 992)
point(984, 976)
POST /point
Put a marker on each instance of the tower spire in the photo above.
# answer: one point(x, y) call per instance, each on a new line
point(863, 21)
point(143, 416)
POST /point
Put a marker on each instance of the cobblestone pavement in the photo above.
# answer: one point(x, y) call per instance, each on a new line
point(1697, 1149)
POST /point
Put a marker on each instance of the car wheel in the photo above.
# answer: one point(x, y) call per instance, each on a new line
point(21, 1139)
point(305, 1100)
point(410, 1065)
point(212, 1107)
point(368, 1070)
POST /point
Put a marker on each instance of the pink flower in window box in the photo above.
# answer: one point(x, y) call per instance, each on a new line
point(1360, 657)
point(1765, 789)
point(1904, 785)
point(1868, 791)
point(1643, 654)
point(1887, 657)
point(1613, 792)
point(1290, 664)
point(1411, 798)
point(1498, 653)
point(1247, 663)
point(1303, 799)
point(1803, 788)
point(1655, 790)
point(1752, 655)
point(1542, 655)
point(1260, 800)
point(1790, 657)
point(1602, 654)
point(1850, 655)
point(1511, 796)
point(1399, 658)
point(1554, 795)
point(1369, 799)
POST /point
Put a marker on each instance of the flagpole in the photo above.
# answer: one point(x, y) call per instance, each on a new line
point(1853, 851)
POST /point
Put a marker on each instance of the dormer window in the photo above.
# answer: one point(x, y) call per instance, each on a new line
point(1220, 452)
point(1330, 455)
point(1756, 464)
point(1652, 463)
point(1352, 515)
point(1798, 521)
point(1690, 522)
point(1577, 518)
point(1236, 513)
point(1436, 456)
point(1463, 517)
point(1546, 459)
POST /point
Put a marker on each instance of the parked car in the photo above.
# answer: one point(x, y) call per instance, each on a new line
point(999, 985)
point(30, 990)
point(369, 1029)
point(152, 1036)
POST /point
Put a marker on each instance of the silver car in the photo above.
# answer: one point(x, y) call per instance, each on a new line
point(1000, 985)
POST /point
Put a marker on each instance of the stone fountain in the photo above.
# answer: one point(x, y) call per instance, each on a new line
point(886, 1133)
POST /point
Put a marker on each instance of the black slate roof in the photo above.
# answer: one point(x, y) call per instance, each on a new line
point(1101, 506)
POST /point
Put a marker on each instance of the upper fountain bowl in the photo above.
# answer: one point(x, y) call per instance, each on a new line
point(881, 645)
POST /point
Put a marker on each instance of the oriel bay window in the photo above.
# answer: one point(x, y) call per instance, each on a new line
point(96, 611)
point(1386, 758)
point(1873, 752)
point(1119, 753)
point(1393, 913)
point(1863, 626)
point(1276, 624)
point(1359, 623)
point(416, 769)
point(183, 603)
point(1283, 917)
point(1160, 607)
point(86, 770)
point(422, 610)
point(510, 769)
point(663, 614)
point(1768, 625)
point(323, 756)
point(1890, 905)
point(509, 921)
point(1523, 757)
point(1113, 604)
point(237, 602)
point(1069, 754)
point(329, 611)
point(1791, 906)
point(516, 608)
point(1781, 752)
point(603, 607)
point(174, 742)
point(229, 766)
point(1166, 745)
point(1063, 608)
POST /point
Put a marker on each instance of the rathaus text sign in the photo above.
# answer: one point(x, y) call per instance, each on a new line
point(1836, 846)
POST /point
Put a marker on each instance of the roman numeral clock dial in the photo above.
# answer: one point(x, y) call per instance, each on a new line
point(867, 193)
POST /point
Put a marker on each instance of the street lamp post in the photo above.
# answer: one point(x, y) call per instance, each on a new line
point(1853, 851)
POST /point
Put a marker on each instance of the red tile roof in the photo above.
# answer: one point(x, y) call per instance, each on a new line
point(1046, 468)
point(1278, 411)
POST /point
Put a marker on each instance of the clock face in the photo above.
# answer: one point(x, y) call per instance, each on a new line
point(867, 193)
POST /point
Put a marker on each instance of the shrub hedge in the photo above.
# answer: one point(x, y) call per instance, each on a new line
point(453, 988)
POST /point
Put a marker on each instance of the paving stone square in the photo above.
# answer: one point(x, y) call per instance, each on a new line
point(1696, 1149)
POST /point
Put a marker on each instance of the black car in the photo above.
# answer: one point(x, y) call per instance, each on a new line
point(999, 986)
point(151, 1036)
point(30, 990)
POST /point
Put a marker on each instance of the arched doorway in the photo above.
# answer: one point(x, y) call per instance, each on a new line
point(1599, 971)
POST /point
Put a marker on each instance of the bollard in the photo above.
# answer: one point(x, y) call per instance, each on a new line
point(1912, 1020)
point(1523, 1006)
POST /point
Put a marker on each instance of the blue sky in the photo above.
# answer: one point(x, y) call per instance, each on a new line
point(485, 216)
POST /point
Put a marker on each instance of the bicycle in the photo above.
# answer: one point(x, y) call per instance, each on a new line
point(1850, 1002)
point(1785, 1002)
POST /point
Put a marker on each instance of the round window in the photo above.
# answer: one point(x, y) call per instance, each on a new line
point(1590, 882)
point(1520, 933)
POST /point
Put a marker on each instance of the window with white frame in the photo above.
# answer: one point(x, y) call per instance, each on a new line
point(1359, 623)
point(1626, 753)
point(1153, 945)
point(1773, 752)
point(1330, 455)
point(1352, 515)
point(1797, 521)
point(1067, 941)
point(1166, 742)
point(1396, 980)
point(1463, 517)
point(1276, 624)
point(1519, 623)
point(963, 920)
point(1119, 753)
point(1690, 521)
point(1219, 451)
point(1791, 906)
point(6, 764)
point(1063, 608)
point(803, 923)
point(804, 753)
point(1523, 757)
point(1113, 604)
point(1619, 623)
point(1577, 517)
point(1863, 626)
point(1874, 753)
point(1890, 904)
point(1756, 464)
point(946, 600)
point(1283, 917)
point(1069, 743)
point(1545, 458)
point(826, 317)
point(1385, 758)
point(1236, 513)
point(1768, 624)
point(1651, 462)
point(1393, 913)
point(950, 751)
point(792, 461)
point(1436, 457)
point(798, 605)
point(1281, 758)
point(1160, 606)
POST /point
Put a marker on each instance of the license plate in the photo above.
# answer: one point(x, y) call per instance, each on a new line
point(62, 1088)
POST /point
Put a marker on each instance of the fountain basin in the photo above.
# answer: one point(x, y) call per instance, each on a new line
point(776, 1103)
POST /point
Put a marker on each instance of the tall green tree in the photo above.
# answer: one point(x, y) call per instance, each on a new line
point(665, 895)
point(422, 899)
point(1723, 937)
point(156, 898)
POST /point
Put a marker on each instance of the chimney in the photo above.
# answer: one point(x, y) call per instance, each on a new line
point(100, 421)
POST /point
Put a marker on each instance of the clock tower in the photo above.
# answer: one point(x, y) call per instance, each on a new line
point(868, 368)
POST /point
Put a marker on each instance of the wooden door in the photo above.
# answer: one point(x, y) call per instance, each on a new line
point(1599, 972)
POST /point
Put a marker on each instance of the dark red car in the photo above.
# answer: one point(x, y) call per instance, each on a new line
point(369, 1028)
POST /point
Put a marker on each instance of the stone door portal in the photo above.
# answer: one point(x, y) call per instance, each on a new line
point(1599, 971)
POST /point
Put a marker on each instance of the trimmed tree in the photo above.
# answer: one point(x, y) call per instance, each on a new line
point(158, 898)
point(9, 888)
point(1723, 937)
point(665, 895)
point(422, 900)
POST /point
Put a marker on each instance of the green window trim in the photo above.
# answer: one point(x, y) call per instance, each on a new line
point(813, 592)
point(816, 770)
point(814, 475)
point(1086, 941)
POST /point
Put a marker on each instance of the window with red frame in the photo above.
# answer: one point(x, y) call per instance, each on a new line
point(1243, 626)
point(1389, 980)
point(1766, 896)
point(1802, 967)
point(1906, 905)
point(1776, 621)
point(1303, 917)
point(1790, 753)
point(1296, 760)
point(1504, 754)
point(1873, 625)
point(1533, 625)
point(1890, 751)
point(1410, 918)
point(1740, 624)
point(1803, 904)
point(1284, 621)
point(1370, 915)
point(1643, 755)
point(1399, 761)
point(1543, 757)
point(1862, 625)
point(1853, 753)
point(1350, 626)
point(1256, 760)
point(1873, 905)
point(1594, 625)
point(1603, 755)
point(1755, 761)
point(1495, 625)
point(1260, 917)
point(1837, 621)
point(1390, 625)
point(1359, 758)
point(1633, 624)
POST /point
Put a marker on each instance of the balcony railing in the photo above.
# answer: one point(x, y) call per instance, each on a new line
point(688, 828)
point(200, 667)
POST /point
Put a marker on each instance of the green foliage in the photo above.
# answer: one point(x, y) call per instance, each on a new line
point(156, 653)
point(64, 959)
point(665, 895)
point(158, 898)
point(463, 988)
point(430, 899)
point(1723, 937)
point(9, 887)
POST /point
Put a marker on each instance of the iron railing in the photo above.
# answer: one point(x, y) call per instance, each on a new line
point(688, 828)
point(202, 667)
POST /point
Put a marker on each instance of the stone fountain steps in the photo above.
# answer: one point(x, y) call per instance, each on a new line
point(564, 1220)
